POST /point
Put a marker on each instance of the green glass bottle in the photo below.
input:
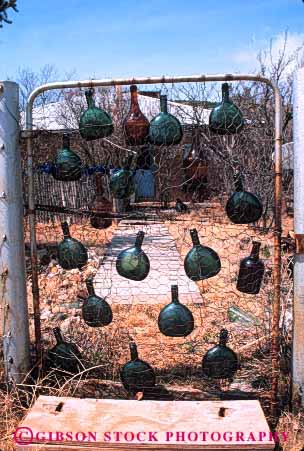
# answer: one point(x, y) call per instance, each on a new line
point(165, 129)
point(136, 125)
point(201, 262)
point(71, 252)
point(137, 375)
point(96, 312)
point(243, 207)
point(67, 165)
point(133, 263)
point(175, 319)
point(64, 356)
point(226, 118)
point(220, 362)
point(94, 123)
point(122, 181)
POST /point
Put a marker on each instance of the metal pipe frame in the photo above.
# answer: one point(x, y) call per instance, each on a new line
point(277, 189)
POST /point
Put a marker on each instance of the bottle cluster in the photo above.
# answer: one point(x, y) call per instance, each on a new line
point(201, 262)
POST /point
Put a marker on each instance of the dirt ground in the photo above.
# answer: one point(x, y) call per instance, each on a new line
point(177, 361)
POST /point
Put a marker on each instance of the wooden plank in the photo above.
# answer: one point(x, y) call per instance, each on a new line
point(177, 425)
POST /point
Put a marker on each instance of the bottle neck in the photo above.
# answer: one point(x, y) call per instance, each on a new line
point(163, 104)
point(238, 182)
point(66, 141)
point(133, 351)
point(225, 92)
point(139, 239)
point(174, 294)
point(98, 181)
point(255, 251)
point(194, 237)
point(65, 229)
point(129, 161)
point(223, 337)
point(90, 287)
point(134, 99)
point(89, 96)
point(58, 336)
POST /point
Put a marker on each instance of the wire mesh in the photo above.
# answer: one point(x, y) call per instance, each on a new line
point(177, 188)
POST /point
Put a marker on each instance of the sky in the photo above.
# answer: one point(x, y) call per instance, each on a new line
point(122, 38)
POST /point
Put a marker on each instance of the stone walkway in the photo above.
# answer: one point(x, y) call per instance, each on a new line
point(166, 268)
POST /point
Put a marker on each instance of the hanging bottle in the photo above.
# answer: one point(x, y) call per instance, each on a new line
point(251, 271)
point(243, 207)
point(136, 125)
point(122, 181)
point(101, 205)
point(175, 319)
point(201, 262)
point(137, 375)
point(96, 312)
point(165, 129)
point(94, 123)
point(226, 118)
point(220, 362)
point(133, 263)
point(71, 252)
point(67, 165)
point(65, 356)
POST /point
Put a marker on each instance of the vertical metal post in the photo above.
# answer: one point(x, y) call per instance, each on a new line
point(32, 221)
point(298, 304)
point(275, 327)
point(12, 258)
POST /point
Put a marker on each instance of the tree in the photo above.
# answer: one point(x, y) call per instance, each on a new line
point(252, 150)
point(28, 80)
point(4, 6)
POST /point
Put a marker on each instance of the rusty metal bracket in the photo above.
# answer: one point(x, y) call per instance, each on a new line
point(299, 239)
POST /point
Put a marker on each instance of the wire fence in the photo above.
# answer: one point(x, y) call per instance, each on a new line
point(177, 189)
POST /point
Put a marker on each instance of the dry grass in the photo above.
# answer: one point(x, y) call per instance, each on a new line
point(177, 361)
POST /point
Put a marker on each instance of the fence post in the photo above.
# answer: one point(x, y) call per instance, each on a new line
point(12, 259)
point(298, 304)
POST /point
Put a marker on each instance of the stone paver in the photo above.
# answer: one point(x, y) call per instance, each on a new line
point(166, 268)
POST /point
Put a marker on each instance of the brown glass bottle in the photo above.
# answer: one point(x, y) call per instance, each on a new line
point(136, 125)
point(251, 271)
point(101, 205)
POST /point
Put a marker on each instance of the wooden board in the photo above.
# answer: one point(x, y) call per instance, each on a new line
point(176, 425)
